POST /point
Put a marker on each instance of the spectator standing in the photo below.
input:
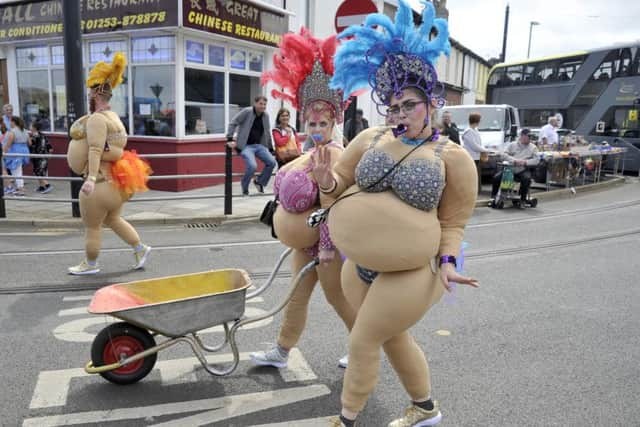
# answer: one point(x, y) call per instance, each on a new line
point(449, 128)
point(353, 127)
point(16, 141)
point(548, 133)
point(522, 154)
point(285, 138)
point(253, 140)
point(40, 145)
point(472, 142)
point(7, 113)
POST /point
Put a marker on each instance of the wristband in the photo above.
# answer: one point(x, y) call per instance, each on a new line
point(329, 190)
point(91, 178)
point(448, 259)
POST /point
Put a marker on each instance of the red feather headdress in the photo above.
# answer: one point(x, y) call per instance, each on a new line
point(303, 68)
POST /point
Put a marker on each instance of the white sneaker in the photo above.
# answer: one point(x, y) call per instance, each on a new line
point(141, 257)
point(344, 361)
point(269, 358)
point(84, 269)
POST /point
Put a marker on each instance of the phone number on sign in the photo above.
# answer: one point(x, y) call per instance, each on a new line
point(125, 21)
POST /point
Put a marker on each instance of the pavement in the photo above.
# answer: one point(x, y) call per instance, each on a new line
point(206, 207)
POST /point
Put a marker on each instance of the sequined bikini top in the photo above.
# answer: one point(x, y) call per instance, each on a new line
point(296, 191)
point(418, 182)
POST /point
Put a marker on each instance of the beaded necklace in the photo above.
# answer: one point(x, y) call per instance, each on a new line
point(415, 141)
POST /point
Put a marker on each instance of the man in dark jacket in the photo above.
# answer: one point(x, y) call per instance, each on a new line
point(354, 126)
point(253, 140)
point(450, 129)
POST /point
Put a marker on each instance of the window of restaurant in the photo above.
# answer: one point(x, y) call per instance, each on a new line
point(33, 65)
point(204, 88)
point(153, 84)
point(104, 51)
point(244, 86)
point(207, 66)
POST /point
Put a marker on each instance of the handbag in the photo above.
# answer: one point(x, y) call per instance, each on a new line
point(290, 151)
point(266, 217)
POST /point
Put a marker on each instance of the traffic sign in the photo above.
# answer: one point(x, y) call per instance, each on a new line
point(353, 12)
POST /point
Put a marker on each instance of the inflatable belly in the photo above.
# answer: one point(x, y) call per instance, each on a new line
point(292, 229)
point(381, 232)
point(77, 155)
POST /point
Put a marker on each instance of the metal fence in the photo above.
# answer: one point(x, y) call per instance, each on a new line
point(228, 176)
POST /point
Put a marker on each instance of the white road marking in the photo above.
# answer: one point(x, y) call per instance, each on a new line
point(249, 403)
point(223, 408)
point(78, 298)
point(32, 234)
point(308, 422)
point(73, 311)
point(155, 248)
point(297, 368)
point(52, 387)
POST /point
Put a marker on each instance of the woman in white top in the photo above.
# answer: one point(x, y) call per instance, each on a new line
point(472, 142)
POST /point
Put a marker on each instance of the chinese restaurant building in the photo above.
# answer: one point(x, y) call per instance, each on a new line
point(192, 64)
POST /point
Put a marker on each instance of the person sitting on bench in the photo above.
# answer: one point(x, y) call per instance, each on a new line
point(522, 155)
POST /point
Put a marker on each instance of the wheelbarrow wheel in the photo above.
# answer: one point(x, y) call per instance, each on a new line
point(118, 341)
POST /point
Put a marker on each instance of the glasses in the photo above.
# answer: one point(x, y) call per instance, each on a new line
point(406, 107)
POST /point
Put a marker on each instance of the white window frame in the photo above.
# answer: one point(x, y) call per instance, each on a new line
point(226, 69)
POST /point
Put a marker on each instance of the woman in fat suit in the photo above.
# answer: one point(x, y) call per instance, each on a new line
point(403, 198)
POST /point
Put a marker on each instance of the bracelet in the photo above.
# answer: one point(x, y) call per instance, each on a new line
point(329, 190)
point(91, 178)
point(448, 259)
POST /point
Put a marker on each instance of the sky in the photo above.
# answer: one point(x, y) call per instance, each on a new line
point(565, 25)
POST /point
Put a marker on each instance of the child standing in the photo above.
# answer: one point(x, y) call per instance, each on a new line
point(40, 145)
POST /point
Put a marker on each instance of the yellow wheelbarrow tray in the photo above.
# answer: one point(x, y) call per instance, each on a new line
point(177, 307)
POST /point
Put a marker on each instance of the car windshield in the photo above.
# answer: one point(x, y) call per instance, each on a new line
point(492, 118)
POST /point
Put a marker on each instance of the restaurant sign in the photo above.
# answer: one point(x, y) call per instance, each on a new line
point(234, 18)
point(43, 19)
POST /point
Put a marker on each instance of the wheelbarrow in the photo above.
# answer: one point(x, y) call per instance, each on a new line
point(176, 307)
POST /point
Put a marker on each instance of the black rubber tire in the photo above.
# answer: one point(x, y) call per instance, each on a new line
point(500, 204)
point(133, 334)
point(533, 203)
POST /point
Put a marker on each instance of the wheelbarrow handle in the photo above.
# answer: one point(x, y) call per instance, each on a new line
point(303, 272)
point(271, 277)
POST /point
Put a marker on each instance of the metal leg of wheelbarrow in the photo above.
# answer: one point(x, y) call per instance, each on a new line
point(214, 348)
point(271, 277)
point(195, 343)
point(249, 296)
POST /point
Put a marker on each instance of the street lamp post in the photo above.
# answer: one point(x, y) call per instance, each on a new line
point(531, 24)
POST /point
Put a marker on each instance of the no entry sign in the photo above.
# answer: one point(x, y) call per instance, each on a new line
point(353, 12)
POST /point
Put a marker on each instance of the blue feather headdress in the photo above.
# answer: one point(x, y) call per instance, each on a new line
point(398, 57)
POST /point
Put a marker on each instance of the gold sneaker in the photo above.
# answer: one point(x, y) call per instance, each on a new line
point(414, 416)
point(141, 257)
point(83, 269)
point(336, 422)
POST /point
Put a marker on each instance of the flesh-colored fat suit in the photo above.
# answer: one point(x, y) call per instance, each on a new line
point(292, 230)
point(380, 232)
point(98, 140)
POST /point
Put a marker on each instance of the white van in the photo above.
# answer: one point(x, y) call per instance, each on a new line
point(498, 127)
